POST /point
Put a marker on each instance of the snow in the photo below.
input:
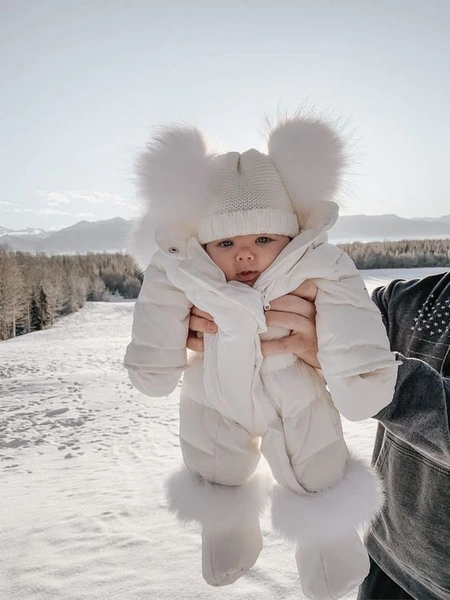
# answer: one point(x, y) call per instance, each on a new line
point(376, 277)
point(83, 460)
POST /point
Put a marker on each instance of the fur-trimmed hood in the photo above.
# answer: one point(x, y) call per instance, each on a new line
point(172, 176)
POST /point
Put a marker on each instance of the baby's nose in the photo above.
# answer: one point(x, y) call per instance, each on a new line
point(245, 254)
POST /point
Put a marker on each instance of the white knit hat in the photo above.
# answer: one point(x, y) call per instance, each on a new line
point(246, 196)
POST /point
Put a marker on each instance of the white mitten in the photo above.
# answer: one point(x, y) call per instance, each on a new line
point(331, 568)
point(229, 554)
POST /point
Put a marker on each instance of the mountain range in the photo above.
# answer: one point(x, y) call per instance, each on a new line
point(367, 228)
point(112, 235)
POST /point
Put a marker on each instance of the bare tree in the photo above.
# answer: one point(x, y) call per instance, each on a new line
point(13, 301)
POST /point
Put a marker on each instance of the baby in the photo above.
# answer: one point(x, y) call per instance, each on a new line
point(245, 257)
point(228, 234)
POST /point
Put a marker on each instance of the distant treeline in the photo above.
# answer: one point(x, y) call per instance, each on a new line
point(405, 254)
point(37, 289)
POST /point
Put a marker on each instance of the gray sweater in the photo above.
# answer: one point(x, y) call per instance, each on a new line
point(410, 539)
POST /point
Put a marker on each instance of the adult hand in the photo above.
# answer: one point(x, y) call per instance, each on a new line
point(200, 322)
point(295, 311)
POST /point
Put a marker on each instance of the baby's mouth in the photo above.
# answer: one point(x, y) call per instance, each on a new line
point(246, 276)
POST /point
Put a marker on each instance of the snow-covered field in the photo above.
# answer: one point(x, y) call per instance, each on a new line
point(83, 459)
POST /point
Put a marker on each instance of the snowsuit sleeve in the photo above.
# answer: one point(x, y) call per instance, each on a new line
point(156, 355)
point(354, 353)
point(420, 411)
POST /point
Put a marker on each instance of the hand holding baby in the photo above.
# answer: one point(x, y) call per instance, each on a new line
point(295, 311)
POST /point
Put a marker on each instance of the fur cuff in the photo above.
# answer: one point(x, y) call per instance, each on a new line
point(351, 503)
point(213, 505)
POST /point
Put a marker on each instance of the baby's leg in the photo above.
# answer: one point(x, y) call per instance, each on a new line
point(315, 443)
point(311, 428)
point(331, 558)
point(223, 456)
point(214, 447)
point(336, 564)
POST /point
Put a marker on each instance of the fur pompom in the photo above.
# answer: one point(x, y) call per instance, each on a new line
point(171, 173)
point(351, 503)
point(216, 506)
point(311, 158)
point(171, 179)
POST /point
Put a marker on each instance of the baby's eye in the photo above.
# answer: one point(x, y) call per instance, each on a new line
point(225, 244)
point(263, 239)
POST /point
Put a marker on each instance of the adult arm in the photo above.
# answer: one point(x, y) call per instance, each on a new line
point(420, 411)
point(156, 355)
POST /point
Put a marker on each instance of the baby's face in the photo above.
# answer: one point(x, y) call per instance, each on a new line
point(244, 257)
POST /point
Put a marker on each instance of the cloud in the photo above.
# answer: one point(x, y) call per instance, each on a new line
point(55, 198)
point(97, 197)
point(50, 211)
point(86, 215)
point(41, 211)
point(6, 203)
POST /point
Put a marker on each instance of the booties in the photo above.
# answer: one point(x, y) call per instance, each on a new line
point(229, 518)
point(229, 554)
point(330, 569)
point(331, 558)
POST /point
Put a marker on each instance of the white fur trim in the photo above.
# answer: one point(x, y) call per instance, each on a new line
point(213, 505)
point(352, 502)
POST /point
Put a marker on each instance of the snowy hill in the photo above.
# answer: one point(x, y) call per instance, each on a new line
point(16, 242)
point(112, 235)
point(367, 228)
point(98, 236)
point(23, 233)
point(83, 460)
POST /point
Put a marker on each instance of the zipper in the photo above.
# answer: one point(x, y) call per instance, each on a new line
point(266, 304)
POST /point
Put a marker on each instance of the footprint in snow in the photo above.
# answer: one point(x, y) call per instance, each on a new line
point(57, 411)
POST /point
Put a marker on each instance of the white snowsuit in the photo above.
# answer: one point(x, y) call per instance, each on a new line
point(232, 397)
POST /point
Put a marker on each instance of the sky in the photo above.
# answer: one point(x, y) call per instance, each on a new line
point(85, 83)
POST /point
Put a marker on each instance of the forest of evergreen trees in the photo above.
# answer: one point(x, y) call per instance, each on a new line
point(405, 254)
point(36, 289)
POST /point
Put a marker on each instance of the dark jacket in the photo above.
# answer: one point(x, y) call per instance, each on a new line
point(410, 539)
